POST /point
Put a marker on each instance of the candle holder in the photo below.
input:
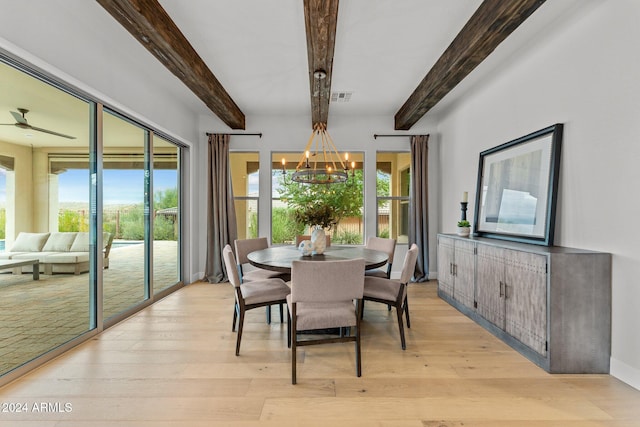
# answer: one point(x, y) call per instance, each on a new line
point(463, 208)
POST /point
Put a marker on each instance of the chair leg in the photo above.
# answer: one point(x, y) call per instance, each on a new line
point(406, 312)
point(294, 339)
point(401, 327)
point(358, 353)
point(288, 328)
point(235, 317)
point(239, 338)
point(268, 315)
point(362, 311)
point(281, 314)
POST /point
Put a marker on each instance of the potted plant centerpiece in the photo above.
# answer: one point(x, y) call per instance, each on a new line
point(464, 228)
point(318, 216)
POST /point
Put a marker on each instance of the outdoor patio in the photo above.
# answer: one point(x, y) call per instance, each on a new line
point(37, 316)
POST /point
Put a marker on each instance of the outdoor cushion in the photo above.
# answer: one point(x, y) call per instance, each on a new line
point(81, 242)
point(9, 255)
point(40, 256)
point(29, 242)
point(66, 258)
point(59, 242)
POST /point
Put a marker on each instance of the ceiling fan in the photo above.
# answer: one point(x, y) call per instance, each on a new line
point(21, 122)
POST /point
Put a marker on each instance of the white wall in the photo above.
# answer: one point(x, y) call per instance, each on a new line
point(583, 73)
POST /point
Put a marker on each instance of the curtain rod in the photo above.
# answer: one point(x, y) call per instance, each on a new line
point(237, 134)
point(375, 135)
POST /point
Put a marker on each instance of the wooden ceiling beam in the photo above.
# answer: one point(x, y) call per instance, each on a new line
point(150, 24)
point(320, 17)
point(491, 23)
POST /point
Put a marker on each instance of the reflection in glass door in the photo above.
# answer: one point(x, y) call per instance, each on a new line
point(123, 215)
point(166, 220)
point(41, 312)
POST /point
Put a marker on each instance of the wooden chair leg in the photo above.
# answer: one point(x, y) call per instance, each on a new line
point(406, 312)
point(268, 315)
point(235, 317)
point(358, 353)
point(239, 338)
point(288, 328)
point(401, 327)
point(293, 353)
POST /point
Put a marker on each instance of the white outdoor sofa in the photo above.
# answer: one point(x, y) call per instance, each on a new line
point(60, 252)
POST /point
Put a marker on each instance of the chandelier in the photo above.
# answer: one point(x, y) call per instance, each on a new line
point(321, 163)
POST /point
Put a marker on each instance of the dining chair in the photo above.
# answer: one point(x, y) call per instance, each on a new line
point(394, 292)
point(250, 295)
point(384, 245)
point(322, 297)
point(302, 237)
point(243, 248)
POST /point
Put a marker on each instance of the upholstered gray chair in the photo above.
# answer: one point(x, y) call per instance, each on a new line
point(322, 297)
point(394, 292)
point(243, 248)
point(384, 245)
point(250, 295)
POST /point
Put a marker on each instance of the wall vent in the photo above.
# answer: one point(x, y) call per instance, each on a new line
point(341, 96)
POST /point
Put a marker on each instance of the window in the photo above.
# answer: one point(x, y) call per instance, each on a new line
point(245, 178)
point(347, 198)
point(393, 184)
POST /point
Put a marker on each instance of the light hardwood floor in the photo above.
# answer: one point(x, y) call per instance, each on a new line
point(173, 364)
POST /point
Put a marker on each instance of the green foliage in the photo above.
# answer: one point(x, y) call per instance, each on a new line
point(132, 223)
point(382, 185)
point(347, 238)
point(165, 199)
point(326, 204)
point(3, 222)
point(384, 233)
point(253, 226)
point(464, 223)
point(72, 221)
point(163, 229)
point(284, 228)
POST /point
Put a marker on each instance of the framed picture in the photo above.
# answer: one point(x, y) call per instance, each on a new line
point(517, 188)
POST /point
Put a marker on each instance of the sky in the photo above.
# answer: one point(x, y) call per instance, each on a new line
point(121, 186)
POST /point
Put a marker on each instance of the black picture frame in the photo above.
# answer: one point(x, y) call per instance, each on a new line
point(517, 188)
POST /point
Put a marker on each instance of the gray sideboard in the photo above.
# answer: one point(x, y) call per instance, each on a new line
point(550, 303)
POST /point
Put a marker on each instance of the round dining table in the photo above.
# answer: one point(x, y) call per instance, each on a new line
point(278, 258)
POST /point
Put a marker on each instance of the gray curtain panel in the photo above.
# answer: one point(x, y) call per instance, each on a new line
point(221, 214)
point(419, 219)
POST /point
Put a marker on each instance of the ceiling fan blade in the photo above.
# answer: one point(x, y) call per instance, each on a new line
point(51, 132)
point(19, 117)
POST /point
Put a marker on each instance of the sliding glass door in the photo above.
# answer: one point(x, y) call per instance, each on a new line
point(67, 171)
point(123, 214)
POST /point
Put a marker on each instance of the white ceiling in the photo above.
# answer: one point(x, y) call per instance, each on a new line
point(257, 50)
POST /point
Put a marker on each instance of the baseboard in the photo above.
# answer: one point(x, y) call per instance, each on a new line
point(625, 373)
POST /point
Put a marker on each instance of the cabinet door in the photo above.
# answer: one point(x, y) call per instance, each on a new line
point(445, 265)
point(526, 298)
point(490, 284)
point(464, 272)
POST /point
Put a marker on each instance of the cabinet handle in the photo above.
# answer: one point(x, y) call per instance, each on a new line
point(505, 291)
point(501, 294)
point(455, 269)
point(451, 268)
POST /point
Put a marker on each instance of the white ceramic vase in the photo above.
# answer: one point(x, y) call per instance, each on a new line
point(318, 240)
